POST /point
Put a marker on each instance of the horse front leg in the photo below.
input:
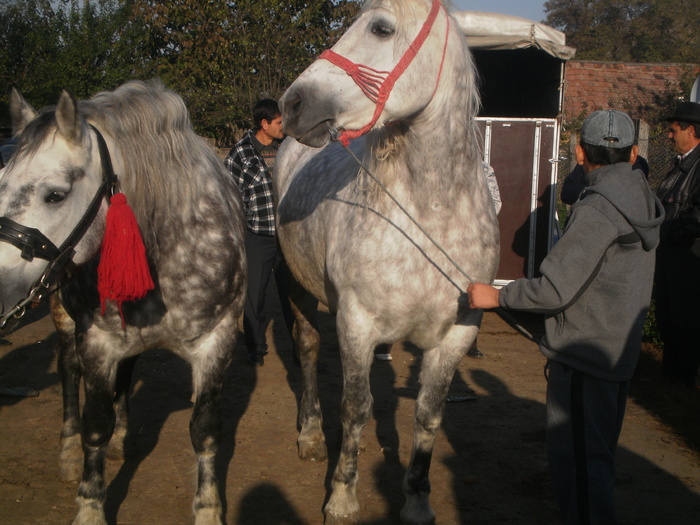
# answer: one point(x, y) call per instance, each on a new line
point(437, 369)
point(311, 443)
point(205, 428)
point(98, 426)
point(356, 408)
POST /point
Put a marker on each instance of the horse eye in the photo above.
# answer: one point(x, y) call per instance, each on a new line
point(55, 197)
point(382, 29)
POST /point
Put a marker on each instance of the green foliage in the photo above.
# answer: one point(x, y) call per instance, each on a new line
point(650, 332)
point(220, 56)
point(46, 46)
point(223, 56)
point(629, 30)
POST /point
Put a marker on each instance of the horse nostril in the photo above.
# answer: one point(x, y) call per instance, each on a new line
point(292, 103)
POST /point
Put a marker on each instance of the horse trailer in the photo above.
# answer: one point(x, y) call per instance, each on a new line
point(521, 67)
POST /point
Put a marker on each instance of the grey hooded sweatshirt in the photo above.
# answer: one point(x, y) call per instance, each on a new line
point(596, 282)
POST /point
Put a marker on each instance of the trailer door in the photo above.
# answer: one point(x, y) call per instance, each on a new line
point(523, 153)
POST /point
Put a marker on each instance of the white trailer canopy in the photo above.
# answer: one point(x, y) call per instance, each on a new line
point(495, 31)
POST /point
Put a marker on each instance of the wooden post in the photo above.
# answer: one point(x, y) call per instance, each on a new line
point(643, 138)
point(573, 140)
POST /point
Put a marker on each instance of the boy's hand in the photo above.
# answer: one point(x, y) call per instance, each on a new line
point(482, 296)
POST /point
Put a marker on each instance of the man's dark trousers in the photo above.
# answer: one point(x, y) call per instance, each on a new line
point(262, 255)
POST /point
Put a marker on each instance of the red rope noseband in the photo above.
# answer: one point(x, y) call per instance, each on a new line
point(377, 85)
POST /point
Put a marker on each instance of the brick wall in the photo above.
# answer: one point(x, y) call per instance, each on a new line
point(633, 87)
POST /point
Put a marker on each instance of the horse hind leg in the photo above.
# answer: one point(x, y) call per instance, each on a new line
point(311, 442)
point(437, 370)
point(125, 370)
point(71, 457)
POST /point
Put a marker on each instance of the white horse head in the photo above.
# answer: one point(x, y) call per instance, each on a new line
point(384, 69)
point(48, 185)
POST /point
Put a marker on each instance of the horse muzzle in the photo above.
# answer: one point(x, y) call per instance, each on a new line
point(307, 118)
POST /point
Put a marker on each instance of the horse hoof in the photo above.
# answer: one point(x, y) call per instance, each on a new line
point(71, 471)
point(417, 513)
point(115, 447)
point(208, 516)
point(313, 450)
point(336, 519)
point(90, 514)
point(115, 450)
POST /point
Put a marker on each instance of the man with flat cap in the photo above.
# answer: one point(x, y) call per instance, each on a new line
point(677, 290)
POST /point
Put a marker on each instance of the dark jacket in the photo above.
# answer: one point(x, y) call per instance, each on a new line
point(680, 196)
point(596, 282)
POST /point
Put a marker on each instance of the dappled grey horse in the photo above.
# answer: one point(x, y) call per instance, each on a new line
point(389, 248)
point(53, 203)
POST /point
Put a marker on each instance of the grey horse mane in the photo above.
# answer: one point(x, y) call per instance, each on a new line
point(166, 164)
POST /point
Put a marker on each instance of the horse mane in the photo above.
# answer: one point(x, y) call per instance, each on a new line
point(166, 164)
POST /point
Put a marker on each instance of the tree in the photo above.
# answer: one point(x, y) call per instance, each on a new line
point(46, 46)
point(223, 56)
point(220, 56)
point(29, 44)
point(629, 30)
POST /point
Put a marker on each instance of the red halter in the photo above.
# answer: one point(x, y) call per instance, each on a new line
point(377, 85)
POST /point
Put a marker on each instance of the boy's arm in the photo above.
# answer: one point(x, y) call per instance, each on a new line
point(566, 270)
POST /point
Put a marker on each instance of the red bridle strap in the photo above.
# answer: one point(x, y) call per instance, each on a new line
point(377, 85)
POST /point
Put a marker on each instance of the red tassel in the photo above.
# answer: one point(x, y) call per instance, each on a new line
point(123, 273)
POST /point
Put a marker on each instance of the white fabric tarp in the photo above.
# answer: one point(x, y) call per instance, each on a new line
point(496, 31)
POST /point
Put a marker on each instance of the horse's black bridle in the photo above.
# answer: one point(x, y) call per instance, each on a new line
point(32, 243)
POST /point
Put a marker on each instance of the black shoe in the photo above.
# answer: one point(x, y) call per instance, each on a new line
point(474, 353)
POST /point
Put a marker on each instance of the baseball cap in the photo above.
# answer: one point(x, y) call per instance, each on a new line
point(608, 128)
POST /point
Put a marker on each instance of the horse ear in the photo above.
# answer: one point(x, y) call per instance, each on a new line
point(21, 111)
point(68, 118)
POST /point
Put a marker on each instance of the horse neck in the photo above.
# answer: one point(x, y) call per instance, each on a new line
point(439, 154)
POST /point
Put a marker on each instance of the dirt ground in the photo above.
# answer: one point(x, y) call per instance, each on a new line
point(489, 464)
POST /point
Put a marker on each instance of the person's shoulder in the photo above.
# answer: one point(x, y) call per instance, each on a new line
point(694, 157)
point(594, 219)
point(246, 140)
point(242, 148)
point(593, 204)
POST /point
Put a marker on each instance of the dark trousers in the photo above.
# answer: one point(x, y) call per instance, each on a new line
point(264, 259)
point(584, 419)
point(677, 303)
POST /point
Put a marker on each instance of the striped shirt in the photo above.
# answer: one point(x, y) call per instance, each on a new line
point(252, 172)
